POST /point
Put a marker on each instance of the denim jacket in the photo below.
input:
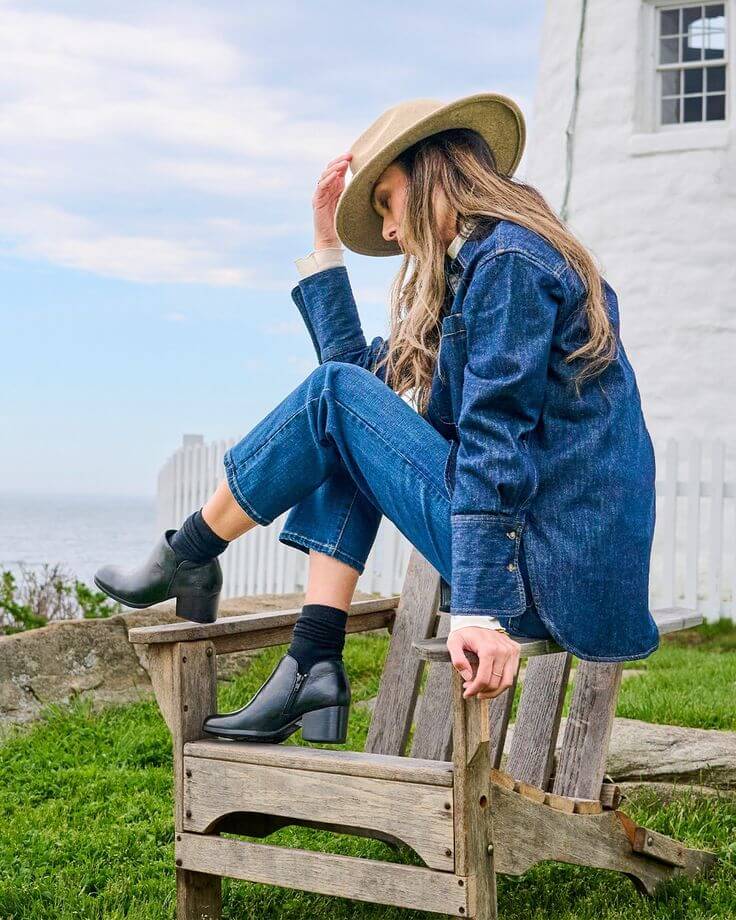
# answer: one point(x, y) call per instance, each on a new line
point(572, 478)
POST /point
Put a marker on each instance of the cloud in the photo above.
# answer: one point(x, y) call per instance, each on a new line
point(123, 147)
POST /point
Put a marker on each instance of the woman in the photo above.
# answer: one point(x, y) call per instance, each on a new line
point(523, 472)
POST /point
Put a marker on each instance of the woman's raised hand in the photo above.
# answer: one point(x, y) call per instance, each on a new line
point(496, 652)
point(324, 203)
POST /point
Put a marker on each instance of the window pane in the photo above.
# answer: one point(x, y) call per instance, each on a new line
point(671, 82)
point(715, 108)
point(694, 80)
point(670, 111)
point(715, 45)
point(715, 11)
point(693, 109)
point(692, 46)
point(716, 78)
point(668, 50)
point(669, 22)
point(692, 17)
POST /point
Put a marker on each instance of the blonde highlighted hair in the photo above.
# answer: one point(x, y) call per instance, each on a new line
point(460, 163)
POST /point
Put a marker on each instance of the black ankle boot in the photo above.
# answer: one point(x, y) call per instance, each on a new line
point(162, 576)
point(318, 701)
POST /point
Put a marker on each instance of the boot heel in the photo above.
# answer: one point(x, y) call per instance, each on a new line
point(327, 725)
point(201, 608)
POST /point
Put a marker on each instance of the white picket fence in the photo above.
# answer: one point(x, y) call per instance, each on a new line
point(693, 557)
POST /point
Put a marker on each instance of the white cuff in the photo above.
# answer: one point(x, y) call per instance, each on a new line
point(320, 259)
point(459, 621)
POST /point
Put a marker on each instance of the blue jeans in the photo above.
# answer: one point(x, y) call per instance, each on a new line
point(340, 451)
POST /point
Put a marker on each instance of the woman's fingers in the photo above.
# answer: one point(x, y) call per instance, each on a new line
point(343, 157)
point(328, 175)
point(505, 681)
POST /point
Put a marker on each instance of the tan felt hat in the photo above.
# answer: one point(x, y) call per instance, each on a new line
point(497, 118)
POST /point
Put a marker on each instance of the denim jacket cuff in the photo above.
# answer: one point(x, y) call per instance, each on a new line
point(326, 303)
point(485, 564)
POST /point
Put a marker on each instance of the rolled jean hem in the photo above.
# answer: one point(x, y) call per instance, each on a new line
point(297, 540)
point(237, 493)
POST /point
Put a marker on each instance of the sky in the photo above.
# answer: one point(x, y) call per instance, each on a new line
point(157, 165)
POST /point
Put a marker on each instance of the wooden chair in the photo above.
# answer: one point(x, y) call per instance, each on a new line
point(447, 798)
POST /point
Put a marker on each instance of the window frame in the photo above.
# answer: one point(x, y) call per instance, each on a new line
point(703, 64)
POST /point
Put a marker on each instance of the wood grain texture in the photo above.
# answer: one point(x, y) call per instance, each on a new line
point(528, 833)
point(198, 896)
point(499, 713)
point(326, 873)
point(348, 763)
point(673, 619)
point(436, 649)
point(187, 631)
point(193, 697)
point(397, 694)
point(538, 719)
point(474, 827)
point(582, 758)
point(411, 812)
point(433, 723)
point(267, 637)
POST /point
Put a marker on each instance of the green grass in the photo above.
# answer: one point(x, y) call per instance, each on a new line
point(86, 818)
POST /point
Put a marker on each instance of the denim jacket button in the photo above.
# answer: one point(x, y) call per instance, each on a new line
point(511, 567)
point(511, 534)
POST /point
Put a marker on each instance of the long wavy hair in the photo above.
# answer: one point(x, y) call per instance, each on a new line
point(459, 163)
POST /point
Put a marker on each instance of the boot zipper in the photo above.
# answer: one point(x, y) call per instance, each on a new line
point(300, 678)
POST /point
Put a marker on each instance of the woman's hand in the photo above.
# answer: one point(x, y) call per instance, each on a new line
point(496, 652)
point(324, 203)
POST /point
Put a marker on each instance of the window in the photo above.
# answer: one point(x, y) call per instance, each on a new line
point(691, 60)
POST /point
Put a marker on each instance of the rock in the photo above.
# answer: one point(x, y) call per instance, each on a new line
point(646, 752)
point(93, 658)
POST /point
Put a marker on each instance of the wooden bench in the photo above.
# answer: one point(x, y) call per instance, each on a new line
point(446, 798)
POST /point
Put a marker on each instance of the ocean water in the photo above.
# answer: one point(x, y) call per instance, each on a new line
point(81, 532)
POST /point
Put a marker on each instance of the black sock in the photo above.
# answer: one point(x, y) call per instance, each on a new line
point(319, 633)
point(196, 541)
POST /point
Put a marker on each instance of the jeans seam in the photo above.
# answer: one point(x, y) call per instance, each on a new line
point(347, 518)
point(334, 550)
point(237, 492)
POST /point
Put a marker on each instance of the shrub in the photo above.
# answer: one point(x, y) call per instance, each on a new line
point(38, 596)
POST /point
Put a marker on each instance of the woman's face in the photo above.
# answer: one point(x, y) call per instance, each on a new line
point(389, 200)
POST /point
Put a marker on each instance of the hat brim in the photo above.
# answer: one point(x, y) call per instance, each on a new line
point(494, 116)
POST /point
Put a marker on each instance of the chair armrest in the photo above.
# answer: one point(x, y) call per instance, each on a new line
point(668, 620)
point(436, 649)
point(259, 630)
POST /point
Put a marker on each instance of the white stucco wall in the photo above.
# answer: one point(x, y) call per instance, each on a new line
point(662, 224)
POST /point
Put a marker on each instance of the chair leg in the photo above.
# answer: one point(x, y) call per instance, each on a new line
point(198, 896)
point(473, 817)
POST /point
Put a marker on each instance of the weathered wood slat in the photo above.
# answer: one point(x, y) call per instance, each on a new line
point(436, 649)
point(538, 719)
point(433, 723)
point(582, 759)
point(673, 619)
point(327, 873)
point(527, 833)
point(397, 694)
point(474, 825)
point(499, 712)
point(348, 763)
point(411, 812)
point(193, 689)
point(665, 849)
point(244, 623)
